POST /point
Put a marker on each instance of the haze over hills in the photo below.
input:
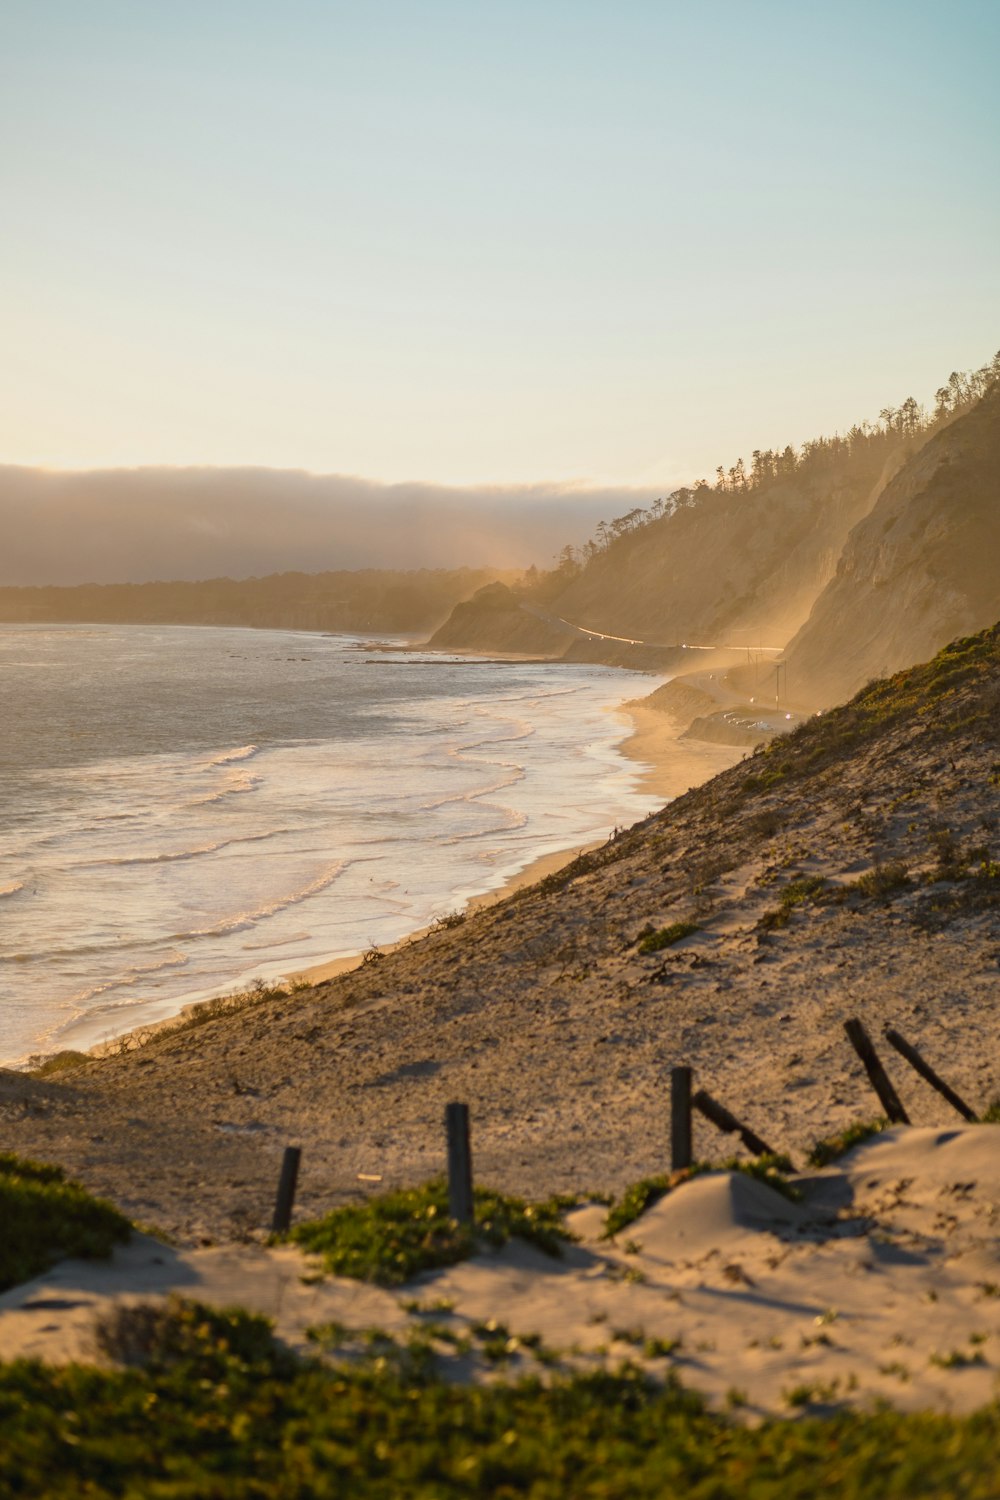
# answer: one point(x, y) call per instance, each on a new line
point(378, 599)
point(857, 553)
point(870, 550)
point(921, 567)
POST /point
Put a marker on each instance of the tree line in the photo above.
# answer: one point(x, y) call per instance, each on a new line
point(770, 465)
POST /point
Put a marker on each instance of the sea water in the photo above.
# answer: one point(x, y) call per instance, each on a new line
point(183, 810)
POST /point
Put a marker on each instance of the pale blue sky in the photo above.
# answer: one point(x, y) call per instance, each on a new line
point(496, 242)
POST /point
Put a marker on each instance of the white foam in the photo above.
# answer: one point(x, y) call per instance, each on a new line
point(415, 791)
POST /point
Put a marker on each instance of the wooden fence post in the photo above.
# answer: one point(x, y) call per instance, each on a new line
point(286, 1189)
point(460, 1200)
point(877, 1076)
point(913, 1057)
point(720, 1117)
point(680, 1119)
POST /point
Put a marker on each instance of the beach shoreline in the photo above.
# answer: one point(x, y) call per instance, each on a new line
point(537, 869)
point(668, 767)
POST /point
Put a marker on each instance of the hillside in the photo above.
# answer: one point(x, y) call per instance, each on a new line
point(727, 567)
point(851, 869)
point(869, 550)
point(368, 599)
point(921, 567)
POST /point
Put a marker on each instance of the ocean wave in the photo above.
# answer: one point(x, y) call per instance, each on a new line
point(238, 787)
point(512, 821)
point(247, 919)
point(170, 856)
point(244, 752)
point(475, 793)
point(129, 978)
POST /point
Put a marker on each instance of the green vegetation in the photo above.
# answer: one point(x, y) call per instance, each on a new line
point(665, 937)
point(883, 881)
point(256, 993)
point(213, 1407)
point(863, 449)
point(991, 1114)
point(46, 1217)
point(821, 741)
point(796, 893)
point(394, 1235)
point(649, 1190)
point(957, 1359)
point(66, 1061)
point(835, 1146)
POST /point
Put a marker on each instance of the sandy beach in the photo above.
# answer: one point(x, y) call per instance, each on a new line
point(854, 886)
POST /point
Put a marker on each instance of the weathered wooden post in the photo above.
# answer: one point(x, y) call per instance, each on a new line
point(916, 1061)
point(460, 1201)
point(680, 1118)
point(877, 1076)
point(286, 1189)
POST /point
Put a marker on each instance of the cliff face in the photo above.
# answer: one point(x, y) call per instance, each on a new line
point(922, 567)
point(739, 567)
point(733, 567)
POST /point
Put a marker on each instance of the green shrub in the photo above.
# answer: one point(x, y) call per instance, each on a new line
point(57, 1062)
point(796, 893)
point(835, 1146)
point(883, 880)
point(664, 937)
point(46, 1218)
point(219, 1410)
point(394, 1235)
point(205, 1343)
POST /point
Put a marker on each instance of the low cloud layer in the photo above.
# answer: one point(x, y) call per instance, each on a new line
point(137, 525)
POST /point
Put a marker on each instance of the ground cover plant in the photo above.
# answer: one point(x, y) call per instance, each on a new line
point(878, 706)
point(835, 1146)
point(395, 1235)
point(795, 894)
point(665, 937)
point(46, 1217)
point(213, 1407)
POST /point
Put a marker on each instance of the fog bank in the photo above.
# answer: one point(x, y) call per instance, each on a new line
point(138, 525)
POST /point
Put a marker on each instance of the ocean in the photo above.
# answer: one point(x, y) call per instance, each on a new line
point(184, 810)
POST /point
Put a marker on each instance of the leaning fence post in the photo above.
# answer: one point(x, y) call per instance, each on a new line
point(680, 1118)
point(720, 1117)
point(906, 1049)
point(877, 1076)
point(460, 1204)
point(286, 1189)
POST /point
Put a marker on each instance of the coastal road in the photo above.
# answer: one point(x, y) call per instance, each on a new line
point(585, 633)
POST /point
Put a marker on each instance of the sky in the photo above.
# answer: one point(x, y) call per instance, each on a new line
point(465, 243)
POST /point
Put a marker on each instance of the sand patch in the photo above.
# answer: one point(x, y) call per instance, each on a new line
point(782, 1307)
